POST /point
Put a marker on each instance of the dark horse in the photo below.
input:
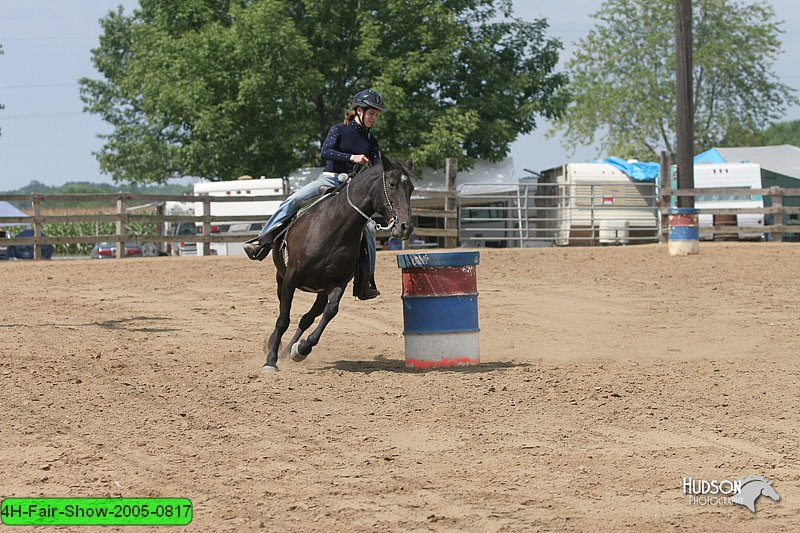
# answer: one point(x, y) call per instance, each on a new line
point(320, 250)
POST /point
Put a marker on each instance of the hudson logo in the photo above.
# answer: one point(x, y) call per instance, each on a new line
point(744, 491)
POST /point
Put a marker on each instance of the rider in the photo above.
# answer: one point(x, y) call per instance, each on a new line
point(347, 146)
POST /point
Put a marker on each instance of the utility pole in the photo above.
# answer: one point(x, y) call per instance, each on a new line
point(684, 99)
point(450, 202)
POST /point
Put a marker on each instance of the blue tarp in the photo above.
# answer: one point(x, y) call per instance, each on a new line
point(8, 210)
point(709, 156)
point(636, 171)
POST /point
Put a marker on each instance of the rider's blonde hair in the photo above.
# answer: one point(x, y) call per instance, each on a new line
point(348, 117)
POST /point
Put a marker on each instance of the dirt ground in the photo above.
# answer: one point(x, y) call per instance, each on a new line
point(608, 375)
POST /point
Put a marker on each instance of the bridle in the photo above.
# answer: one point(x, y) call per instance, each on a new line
point(394, 218)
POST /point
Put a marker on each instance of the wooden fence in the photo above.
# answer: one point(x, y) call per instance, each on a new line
point(128, 207)
point(436, 207)
point(778, 212)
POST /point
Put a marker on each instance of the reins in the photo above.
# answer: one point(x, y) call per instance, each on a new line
point(394, 219)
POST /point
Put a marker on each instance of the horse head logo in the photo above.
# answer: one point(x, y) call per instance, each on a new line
point(752, 488)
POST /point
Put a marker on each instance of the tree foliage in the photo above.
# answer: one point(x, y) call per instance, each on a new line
point(777, 133)
point(220, 88)
point(623, 76)
point(86, 187)
point(782, 133)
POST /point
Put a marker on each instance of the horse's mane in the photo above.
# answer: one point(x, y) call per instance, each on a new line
point(749, 479)
point(365, 171)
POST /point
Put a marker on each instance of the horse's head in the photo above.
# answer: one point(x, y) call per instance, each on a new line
point(769, 491)
point(752, 487)
point(396, 204)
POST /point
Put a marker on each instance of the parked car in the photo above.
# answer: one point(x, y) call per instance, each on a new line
point(182, 229)
point(150, 249)
point(108, 250)
point(4, 235)
point(243, 229)
point(25, 251)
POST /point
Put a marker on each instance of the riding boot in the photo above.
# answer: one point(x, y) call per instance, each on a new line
point(258, 249)
point(368, 289)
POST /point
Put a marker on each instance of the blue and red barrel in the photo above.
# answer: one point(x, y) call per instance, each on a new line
point(440, 309)
point(684, 232)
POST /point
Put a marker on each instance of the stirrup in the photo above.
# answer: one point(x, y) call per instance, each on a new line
point(368, 291)
point(256, 249)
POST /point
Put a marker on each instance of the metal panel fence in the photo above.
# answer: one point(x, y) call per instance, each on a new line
point(543, 214)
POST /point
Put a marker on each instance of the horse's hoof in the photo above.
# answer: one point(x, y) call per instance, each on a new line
point(296, 355)
point(267, 369)
point(286, 352)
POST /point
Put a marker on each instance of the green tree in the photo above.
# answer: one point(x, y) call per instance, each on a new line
point(220, 88)
point(777, 133)
point(200, 88)
point(623, 76)
point(782, 133)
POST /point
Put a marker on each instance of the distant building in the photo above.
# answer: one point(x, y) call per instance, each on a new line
point(780, 166)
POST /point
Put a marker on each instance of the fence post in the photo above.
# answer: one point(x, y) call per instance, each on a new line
point(121, 211)
point(206, 225)
point(520, 219)
point(664, 202)
point(450, 174)
point(37, 227)
point(592, 219)
point(776, 193)
point(160, 229)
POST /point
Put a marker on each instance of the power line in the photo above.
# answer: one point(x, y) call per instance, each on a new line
point(33, 86)
point(41, 115)
point(63, 38)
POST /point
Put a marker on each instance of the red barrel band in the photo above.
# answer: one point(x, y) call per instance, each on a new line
point(446, 281)
point(683, 220)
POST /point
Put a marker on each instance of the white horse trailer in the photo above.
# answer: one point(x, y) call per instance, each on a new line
point(729, 176)
point(595, 203)
point(257, 211)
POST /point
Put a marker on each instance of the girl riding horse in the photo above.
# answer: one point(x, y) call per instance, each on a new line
point(348, 146)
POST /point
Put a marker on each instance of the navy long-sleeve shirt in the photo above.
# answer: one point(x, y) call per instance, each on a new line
point(344, 140)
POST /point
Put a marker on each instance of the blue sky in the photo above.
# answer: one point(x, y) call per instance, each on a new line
point(48, 43)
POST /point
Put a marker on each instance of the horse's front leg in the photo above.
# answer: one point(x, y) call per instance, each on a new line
point(301, 349)
point(307, 319)
point(281, 325)
point(278, 289)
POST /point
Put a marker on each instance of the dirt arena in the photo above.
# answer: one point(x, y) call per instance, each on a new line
point(608, 375)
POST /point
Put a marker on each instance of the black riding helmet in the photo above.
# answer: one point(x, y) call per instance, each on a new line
point(369, 98)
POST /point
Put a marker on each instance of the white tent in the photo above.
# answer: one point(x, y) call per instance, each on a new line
point(483, 173)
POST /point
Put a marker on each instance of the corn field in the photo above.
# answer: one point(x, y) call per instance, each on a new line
point(79, 229)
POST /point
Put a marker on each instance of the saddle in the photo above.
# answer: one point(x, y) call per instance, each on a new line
point(325, 192)
point(360, 277)
point(277, 233)
point(266, 240)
